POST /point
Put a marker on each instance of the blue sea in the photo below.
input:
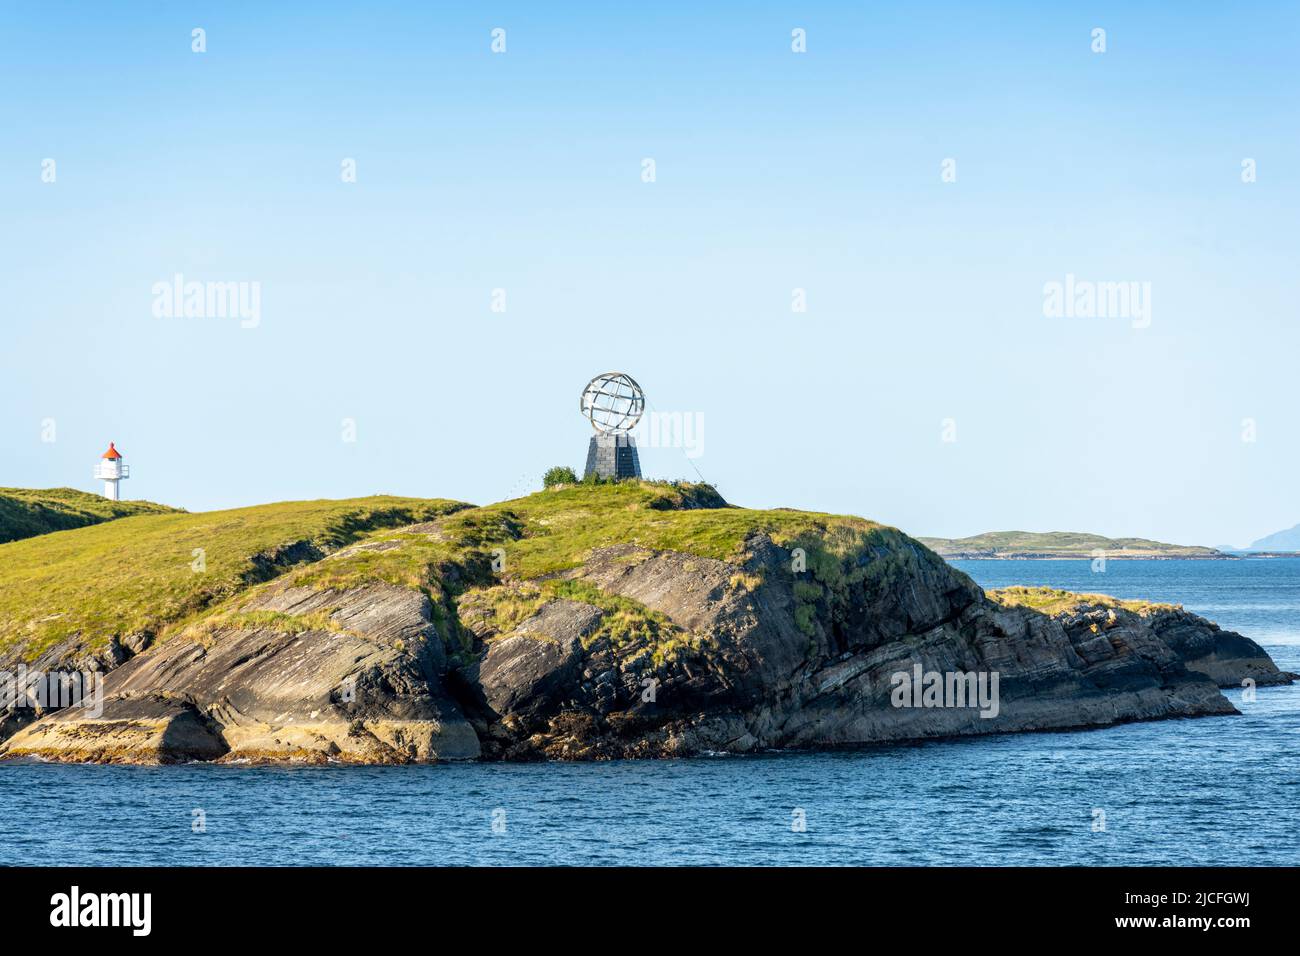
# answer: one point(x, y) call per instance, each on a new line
point(1208, 791)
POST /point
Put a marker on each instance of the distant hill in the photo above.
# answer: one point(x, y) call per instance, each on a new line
point(1288, 540)
point(1061, 544)
point(25, 513)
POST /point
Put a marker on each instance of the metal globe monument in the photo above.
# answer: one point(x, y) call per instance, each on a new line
point(613, 402)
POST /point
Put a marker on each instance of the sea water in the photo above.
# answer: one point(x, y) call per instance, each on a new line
point(1223, 790)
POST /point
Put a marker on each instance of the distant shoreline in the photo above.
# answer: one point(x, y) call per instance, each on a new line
point(1223, 556)
point(1069, 545)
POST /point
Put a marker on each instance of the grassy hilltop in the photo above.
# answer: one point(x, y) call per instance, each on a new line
point(25, 513)
point(1060, 544)
point(136, 575)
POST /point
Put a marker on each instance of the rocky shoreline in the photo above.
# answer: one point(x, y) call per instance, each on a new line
point(795, 641)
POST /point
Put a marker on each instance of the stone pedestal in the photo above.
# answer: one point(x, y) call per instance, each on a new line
point(612, 456)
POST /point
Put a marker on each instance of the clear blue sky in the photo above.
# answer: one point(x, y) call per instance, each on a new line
point(775, 171)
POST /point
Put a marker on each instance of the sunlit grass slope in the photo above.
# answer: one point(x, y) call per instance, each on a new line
point(554, 530)
point(25, 512)
point(142, 573)
point(1053, 601)
point(139, 573)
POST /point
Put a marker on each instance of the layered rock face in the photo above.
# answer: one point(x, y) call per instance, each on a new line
point(759, 681)
point(353, 675)
point(841, 635)
point(1225, 657)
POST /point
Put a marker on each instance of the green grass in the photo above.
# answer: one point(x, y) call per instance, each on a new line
point(277, 621)
point(558, 528)
point(25, 513)
point(412, 561)
point(625, 621)
point(503, 607)
point(547, 533)
point(135, 573)
point(552, 531)
point(1053, 601)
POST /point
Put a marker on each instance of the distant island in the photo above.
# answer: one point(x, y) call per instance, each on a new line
point(1031, 545)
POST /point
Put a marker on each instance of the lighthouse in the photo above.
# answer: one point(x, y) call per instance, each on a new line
point(111, 470)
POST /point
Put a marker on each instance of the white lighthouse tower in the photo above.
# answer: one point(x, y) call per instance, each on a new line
point(111, 470)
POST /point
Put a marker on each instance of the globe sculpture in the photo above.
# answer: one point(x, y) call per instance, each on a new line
point(613, 403)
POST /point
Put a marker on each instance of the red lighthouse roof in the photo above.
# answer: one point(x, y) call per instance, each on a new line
point(112, 452)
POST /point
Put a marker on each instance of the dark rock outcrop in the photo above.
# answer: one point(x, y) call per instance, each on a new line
point(146, 728)
point(758, 681)
point(1226, 657)
point(311, 675)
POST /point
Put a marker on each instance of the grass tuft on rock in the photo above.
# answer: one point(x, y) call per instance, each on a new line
point(1053, 601)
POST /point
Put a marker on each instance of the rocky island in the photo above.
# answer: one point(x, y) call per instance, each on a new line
point(589, 621)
